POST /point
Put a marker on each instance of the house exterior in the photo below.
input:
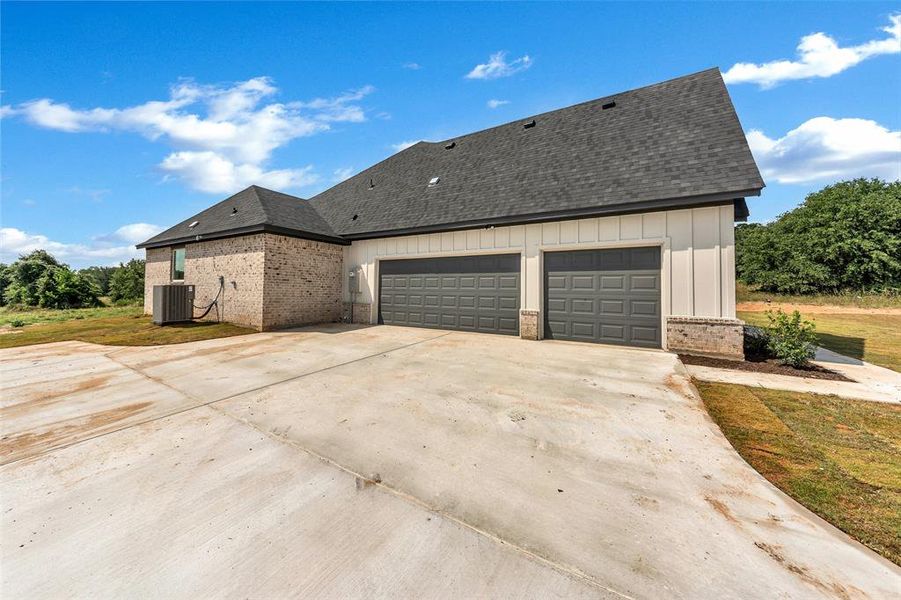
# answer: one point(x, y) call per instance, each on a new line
point(609, 221)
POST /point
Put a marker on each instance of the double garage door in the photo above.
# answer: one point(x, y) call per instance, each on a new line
point(610, 296)
point(470, 293)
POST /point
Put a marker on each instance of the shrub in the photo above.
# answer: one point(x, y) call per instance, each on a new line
point(61, 287)
point(791, 339)
point(126, 284)
point(23, 276)
point(17, 322)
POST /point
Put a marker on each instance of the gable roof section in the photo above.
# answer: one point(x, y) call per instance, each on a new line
point(253, 210)
point(660, 146)
point(673, 144)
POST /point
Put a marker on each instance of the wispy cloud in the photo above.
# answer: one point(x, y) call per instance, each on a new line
point(342, 174)
point(222, 136)
point(497, 103)
point(497, 66)
point(109, 249)
point(412, 66)
point(819, 55)
point(824, 148)
point(403, 145)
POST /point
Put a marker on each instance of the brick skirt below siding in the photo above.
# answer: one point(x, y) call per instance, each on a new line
point(528, 324)
point(361, 313)
point(705, 336)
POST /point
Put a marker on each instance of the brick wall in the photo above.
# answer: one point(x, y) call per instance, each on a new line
point(528, 324)
point(722, 338)
point(240, 261)
point(156, 272)
point(303, 282)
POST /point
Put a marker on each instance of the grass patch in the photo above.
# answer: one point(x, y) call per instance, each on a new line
point(873, 338)
point(837, 457)
point(113, 325)
point(745, 294)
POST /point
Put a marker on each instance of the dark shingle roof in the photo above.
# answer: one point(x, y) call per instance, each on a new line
point(659, 145)
point(252, 210)
point(676, 143)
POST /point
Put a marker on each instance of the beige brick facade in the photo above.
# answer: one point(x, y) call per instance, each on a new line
point(362, 313)
point(271, 281)
point(302, 282)
point(721, 338)
point(528, 324)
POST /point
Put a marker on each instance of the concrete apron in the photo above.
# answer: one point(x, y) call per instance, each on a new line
point(506, 468)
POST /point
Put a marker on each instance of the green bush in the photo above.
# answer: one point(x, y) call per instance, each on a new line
point(791, 339)
point(61, 287)
point(17, 322)
point(23, 276)
point(127, 283)
point(844, 237)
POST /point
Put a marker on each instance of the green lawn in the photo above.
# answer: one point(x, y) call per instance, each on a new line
point(114, 325)
point(837, 457)
point(745, 294)
point(873, 338)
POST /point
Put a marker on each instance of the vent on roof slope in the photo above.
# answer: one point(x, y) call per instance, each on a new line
point(450, 146)
point(193, 224)
point(371, 184)
point(528, 124)
point(610, 104)
point(354, 218)
point(434, 181)
point(234, 211)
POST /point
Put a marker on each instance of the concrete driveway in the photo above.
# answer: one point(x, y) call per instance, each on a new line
point(390, 462)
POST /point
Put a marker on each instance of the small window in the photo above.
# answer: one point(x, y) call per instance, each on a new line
point(178, 264)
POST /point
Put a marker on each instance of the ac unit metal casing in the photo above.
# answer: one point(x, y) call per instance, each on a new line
point(173, 303)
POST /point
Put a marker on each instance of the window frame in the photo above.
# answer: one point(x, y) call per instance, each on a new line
point(172, 256)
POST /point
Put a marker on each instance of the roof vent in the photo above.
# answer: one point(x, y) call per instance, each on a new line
point(193, 224)
point(450, 146)
point(529, 124)
point(434, 181)
point(354, 218)
point(610, 104)
point(371, 184)
point(234, 211)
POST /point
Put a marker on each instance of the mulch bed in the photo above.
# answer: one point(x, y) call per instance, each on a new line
point(759, 365)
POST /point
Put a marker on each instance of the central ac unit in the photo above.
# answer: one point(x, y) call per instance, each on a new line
point(173, 303)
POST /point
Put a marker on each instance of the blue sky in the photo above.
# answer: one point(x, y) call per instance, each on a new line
point(120, 119)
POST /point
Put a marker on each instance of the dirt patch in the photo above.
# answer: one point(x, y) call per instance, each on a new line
point(720, 507)
point(20, 445)
point(822, 309)
point(776, 554)
point(42, 399)
point(764, 366)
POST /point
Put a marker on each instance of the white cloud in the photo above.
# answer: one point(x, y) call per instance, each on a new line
point(235, 129)
point(824, 148)
point(497, 66)
point(818, 56)
point(213, 173)
point(342, 174)
point(108, 249)
point(403, 145)
point(496, 103)
point(412, 66)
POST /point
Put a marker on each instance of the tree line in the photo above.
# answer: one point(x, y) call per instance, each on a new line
point(843, 238)
point(39, 279)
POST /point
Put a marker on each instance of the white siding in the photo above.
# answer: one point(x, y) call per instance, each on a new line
point(698, 247)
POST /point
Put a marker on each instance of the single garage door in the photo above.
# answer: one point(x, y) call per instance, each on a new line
point(609, 296)
point(471, 293)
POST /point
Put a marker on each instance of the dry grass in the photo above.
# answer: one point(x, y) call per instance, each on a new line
point(873, 338)
point(745, 294)
point(837, 457)
point(115, 326)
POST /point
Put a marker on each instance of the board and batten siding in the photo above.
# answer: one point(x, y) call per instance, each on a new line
point(698, 261)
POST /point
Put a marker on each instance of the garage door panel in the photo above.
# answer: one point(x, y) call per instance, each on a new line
point(474, 293)
point(621, 306)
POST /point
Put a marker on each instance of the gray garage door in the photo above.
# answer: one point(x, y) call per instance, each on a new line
point(471, 293)
point(610, 296)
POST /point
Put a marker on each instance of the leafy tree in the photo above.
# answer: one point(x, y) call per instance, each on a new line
point(24, 275)
point(61, 287)
point(4, 282)
point(846, 236)
point(100, 276)
point(127, 282)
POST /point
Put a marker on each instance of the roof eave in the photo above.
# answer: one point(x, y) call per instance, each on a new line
point(239, 231)
point(597, 211)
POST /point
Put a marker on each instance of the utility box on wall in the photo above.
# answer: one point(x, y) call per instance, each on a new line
point(173, 303)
